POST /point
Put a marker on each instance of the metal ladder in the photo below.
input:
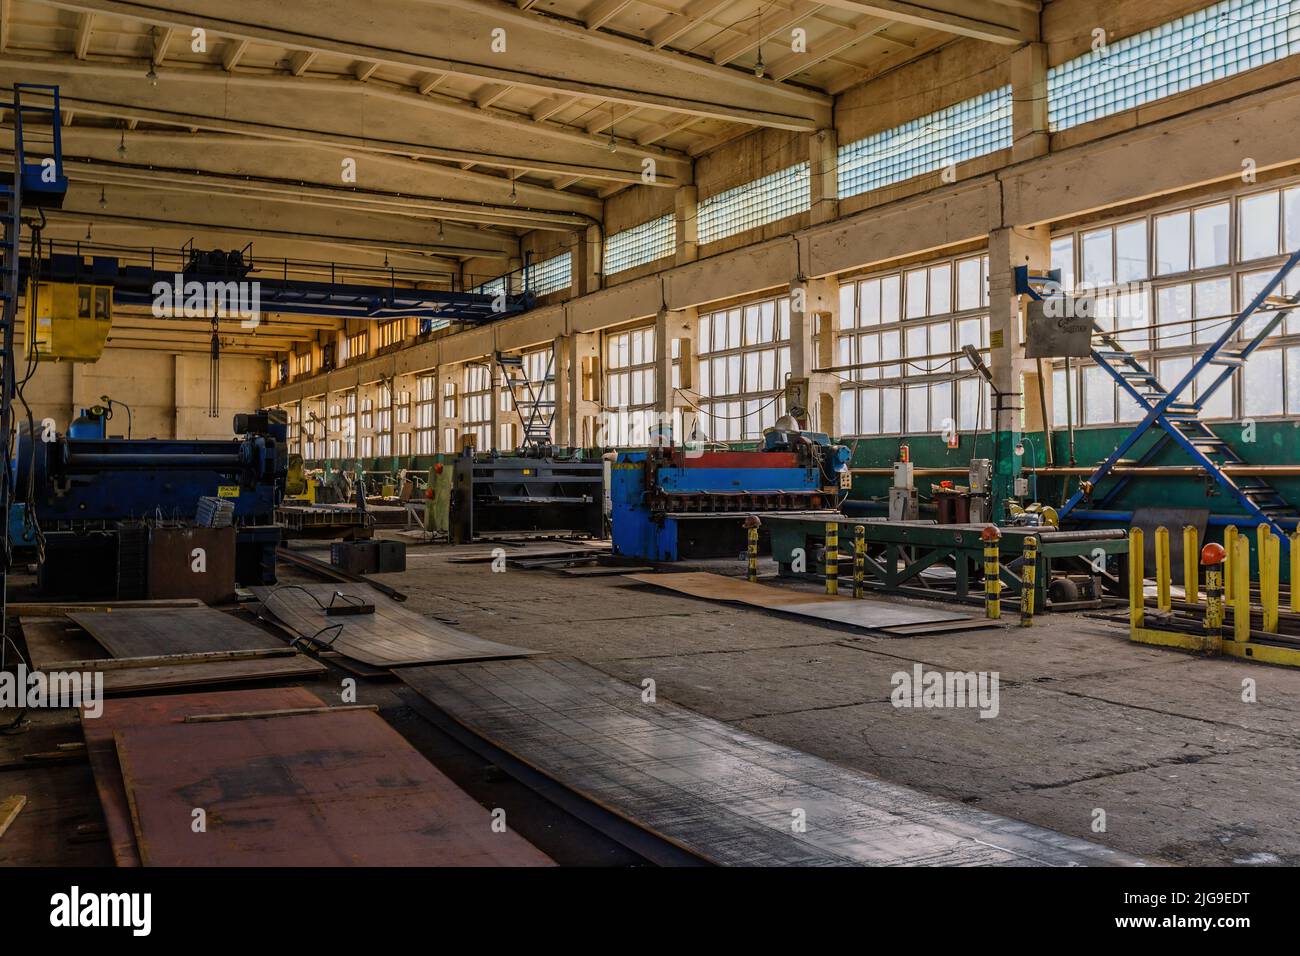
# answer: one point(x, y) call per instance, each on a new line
point(529, 397)
point(41, 183)
point(1180, 421)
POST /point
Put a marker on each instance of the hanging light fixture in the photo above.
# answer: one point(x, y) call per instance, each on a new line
point(152, 75)
point(514, 195)
point(88, 232)
point(103, 200)
point(441, 233)
point(121, 144)
point(759, 66)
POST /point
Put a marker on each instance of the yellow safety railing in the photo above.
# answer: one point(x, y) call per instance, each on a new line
point(1227, 586)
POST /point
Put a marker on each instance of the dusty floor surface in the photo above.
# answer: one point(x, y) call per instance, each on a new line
point(1184, 769)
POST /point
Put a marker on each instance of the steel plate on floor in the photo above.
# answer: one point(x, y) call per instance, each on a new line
point(722, 793)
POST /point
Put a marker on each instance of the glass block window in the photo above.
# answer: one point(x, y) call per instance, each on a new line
point(743, 365)
point(764, 200)
point(633, 247)
point(1210, 44)
point(552, 275)
point(1168, 283)
point(629, 388)
point(960, 132)
point(897, 332)
point(477, 406)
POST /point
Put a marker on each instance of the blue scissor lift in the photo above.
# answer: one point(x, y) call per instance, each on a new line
point(1178, 418)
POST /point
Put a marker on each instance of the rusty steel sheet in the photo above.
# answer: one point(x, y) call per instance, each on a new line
point(141, 632)
point(126, 712)
point(869, 613)
point(335, 788)
point(711, 788)
point(390, 637)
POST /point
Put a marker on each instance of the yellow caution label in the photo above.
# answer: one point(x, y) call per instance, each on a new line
point(227, 491)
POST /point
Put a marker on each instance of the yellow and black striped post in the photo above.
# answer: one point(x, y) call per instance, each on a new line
point(1028, 575)
point(992, 573)
point(859, 561)
point(832, 557)
point(1270, 576)
point(1191, 567)
point(1136, 581)
point(1212, 557)
point(1229, 561)
point(751, 526)
point(1240, 566)
point(1295, 571)
point(1164, 600)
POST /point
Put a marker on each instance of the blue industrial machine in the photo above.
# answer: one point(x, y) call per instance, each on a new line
point(79, 496)
point(673, 502)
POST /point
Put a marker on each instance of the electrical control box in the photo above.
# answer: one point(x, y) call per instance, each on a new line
point(904, 476)
point(981, 476)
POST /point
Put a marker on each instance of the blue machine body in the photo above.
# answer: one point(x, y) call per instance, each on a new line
point(671, 503)
point(84, 483)
point(85, 477)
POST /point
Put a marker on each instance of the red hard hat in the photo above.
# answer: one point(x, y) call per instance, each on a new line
point(1213, 554)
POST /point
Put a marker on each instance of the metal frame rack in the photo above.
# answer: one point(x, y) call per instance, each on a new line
point(1179, 420)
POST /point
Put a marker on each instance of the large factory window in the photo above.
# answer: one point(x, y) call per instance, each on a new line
point(293, 413)
point(313, 431)
point(384, 423)
point(424, 419)
point(744, 362)
point(629, 387)
point(349, 429)
point(334, 431)
point(898, 333)
point(478, 406)
point(390, 333)
point(355, 346)
point(1168, 283)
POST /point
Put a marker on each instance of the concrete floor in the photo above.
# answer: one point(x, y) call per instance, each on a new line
point(1185, 770)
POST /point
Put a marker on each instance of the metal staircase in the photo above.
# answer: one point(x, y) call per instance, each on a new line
point(536, 411)
point(1179, 419)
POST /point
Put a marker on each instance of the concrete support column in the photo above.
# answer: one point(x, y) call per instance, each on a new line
point(581, 398)
point(562, 373)
point(823, 170)
point(1012, 375)
point(814, 304)
point(1029, 133)
point(448, 374)
point(587, 264)
point(686, 209)
point(679, 326)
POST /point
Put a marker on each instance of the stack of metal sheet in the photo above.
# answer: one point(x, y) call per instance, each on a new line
point(215, 512)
